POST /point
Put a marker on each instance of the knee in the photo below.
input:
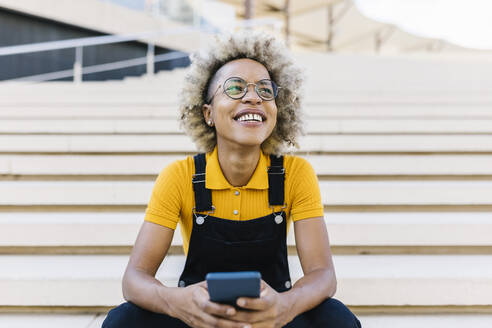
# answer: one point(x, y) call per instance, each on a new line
point(333, 313)
point(125, 315)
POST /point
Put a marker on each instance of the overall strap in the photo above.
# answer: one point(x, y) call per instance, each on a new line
point(203, 196)
point(276, 177)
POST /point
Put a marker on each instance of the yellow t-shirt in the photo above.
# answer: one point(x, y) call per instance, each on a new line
point(173, 199)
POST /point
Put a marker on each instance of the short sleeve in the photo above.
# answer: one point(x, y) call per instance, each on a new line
point(305, 192)
point(166, 201)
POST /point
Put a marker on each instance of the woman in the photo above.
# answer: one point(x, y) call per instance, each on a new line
point(235, 202)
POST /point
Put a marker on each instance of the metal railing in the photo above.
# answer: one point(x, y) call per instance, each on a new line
point(79, 70)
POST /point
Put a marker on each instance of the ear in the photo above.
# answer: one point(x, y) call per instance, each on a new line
point(207, 112)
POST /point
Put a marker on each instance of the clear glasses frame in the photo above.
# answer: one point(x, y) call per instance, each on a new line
point(240, 96)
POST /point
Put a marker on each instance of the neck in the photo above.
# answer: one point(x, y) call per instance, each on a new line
point(238, 163)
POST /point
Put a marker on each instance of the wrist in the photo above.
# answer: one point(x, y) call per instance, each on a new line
point(166, 296)
point(290, 300)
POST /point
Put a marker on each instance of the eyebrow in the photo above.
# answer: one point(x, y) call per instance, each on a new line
point(266, 78)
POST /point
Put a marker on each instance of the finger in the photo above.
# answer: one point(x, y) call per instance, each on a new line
point(201, 299)
point(264, 324)
point(203, 284)
point(217, 309)
point(200, 295)
point(265, 301)
point(262, 303)
point(214, 322)
point(202, 318)
point(222, 310)
point(224, 323)
point(252, 316)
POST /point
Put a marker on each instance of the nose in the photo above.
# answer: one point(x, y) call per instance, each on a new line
point(251, 96)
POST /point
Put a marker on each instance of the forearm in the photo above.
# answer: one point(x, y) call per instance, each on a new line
point(146, 291)
point(311, 290)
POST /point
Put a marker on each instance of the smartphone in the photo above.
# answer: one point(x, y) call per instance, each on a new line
point(227, 287)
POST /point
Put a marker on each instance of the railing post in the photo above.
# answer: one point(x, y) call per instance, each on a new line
point(150, 59)
point(77, 66)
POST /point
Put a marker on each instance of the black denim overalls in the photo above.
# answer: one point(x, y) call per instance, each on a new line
point(220, 245)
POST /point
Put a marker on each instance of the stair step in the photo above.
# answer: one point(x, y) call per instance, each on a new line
point(168, 93)
point(368, 321)
point(181, 143)
point(58, 229)
point(426, 321)
point(324, 165)
point(382, 280)
point(333, 192)
point(48, 320)
point(319, 126)
point(320, 109)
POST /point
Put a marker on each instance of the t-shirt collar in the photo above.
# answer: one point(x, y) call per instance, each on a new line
point(214, 178)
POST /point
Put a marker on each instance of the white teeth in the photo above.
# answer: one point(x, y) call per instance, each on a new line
point(250, 117)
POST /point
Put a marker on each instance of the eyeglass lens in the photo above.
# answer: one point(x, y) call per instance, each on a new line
point(237, 88)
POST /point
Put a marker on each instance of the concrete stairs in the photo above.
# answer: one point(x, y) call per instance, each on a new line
point(404, 163)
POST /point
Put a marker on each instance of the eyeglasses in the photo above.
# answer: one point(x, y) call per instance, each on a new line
point(237, 88)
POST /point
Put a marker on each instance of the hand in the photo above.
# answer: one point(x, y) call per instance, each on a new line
point(192, 305)
point(270, 310)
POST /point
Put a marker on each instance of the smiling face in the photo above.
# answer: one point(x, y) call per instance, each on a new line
point(240, 122)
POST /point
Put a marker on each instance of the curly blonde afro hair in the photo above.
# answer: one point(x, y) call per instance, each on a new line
point(263, 48)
